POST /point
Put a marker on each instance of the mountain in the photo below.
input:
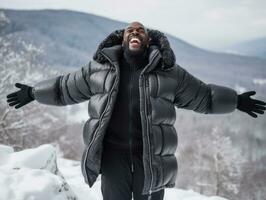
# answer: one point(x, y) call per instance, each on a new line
point(70, 38)
point(255, 47)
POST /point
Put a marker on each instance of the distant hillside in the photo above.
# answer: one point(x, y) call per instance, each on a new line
point(256, 47)
point(70, 38)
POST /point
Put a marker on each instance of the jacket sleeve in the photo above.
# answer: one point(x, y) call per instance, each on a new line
point(71, 88)
point(194, 94)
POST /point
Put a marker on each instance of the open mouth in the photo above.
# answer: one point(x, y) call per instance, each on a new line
point(134, 40)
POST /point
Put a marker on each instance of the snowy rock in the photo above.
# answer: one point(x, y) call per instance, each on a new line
point(31, 184)
point(32, 174)
point(42, 157)
point(5, 151)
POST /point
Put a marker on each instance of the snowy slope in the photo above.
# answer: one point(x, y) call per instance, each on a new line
point(255, 47)
point(33, 174)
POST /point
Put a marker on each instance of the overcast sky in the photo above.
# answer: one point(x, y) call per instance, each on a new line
point(210, 24)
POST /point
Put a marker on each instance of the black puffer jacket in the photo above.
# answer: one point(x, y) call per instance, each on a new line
point(163, 84)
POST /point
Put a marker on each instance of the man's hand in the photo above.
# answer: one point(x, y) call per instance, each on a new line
point(20, 97)
point(250, 106)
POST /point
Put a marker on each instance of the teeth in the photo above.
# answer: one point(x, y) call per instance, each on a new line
point(134, 39)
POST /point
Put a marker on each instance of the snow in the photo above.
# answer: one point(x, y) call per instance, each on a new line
point(3, 18)
point(32, 174)
point(38, 174)
point(40, 155)
point(27, 183)
point(240, 89)
point(259, 81)
point(5, 152)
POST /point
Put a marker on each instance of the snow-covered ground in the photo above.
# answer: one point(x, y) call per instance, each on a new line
point(38, 174)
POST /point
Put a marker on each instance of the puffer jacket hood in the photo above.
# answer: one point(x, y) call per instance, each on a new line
point(158, 40)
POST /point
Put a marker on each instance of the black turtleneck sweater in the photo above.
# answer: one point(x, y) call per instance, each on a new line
point(125, 123)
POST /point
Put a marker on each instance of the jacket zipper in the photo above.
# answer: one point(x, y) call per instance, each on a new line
point(94, 136)
point(130, 114)
point(87, 150)
point(146, 84)
point(146, 81)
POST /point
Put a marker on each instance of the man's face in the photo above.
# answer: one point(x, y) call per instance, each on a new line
point(136, 37)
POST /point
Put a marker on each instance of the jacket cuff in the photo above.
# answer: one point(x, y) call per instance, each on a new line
point(31, 93)
point(48, 92)
point(223, 99)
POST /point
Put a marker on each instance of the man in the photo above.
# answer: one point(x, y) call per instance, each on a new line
point(133, 85)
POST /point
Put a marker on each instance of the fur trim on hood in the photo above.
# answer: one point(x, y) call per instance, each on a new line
point(158, 39)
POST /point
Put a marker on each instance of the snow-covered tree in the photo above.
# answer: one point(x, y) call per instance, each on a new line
point(3, 20)
point(22, 66)
point(228, 163)
point(34, 123)
point(213, 164)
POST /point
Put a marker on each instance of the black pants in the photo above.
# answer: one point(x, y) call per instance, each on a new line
point(117, 180)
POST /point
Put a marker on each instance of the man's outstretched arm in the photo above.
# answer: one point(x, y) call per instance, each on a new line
point(62, 90)
point(194, 94)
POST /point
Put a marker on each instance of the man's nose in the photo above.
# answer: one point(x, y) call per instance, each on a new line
point(135, 31)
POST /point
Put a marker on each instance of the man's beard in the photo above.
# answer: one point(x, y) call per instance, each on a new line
point(134, 53)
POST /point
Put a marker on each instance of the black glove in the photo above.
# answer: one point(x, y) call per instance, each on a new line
point(21, 97)
point(250, 106)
